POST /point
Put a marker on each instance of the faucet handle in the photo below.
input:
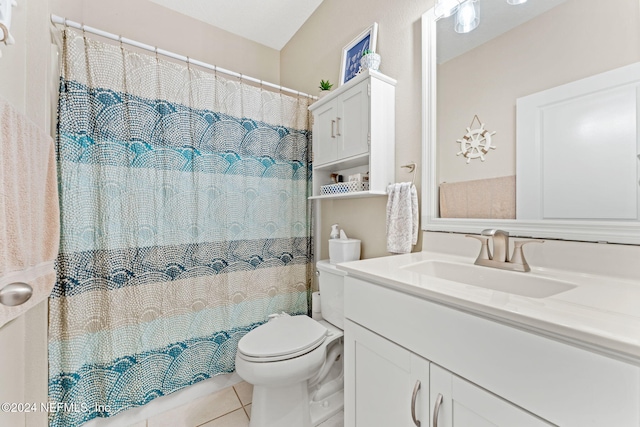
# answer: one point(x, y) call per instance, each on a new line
point(518, 254)
point(484, 249)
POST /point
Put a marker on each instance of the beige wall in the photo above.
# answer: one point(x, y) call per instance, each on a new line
point(156, 25)
point(314, 54)
point(577, 39)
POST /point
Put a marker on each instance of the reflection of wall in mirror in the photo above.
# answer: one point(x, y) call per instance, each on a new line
point(577, 39)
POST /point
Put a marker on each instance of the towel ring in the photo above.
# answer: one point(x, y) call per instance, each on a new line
point(412, 169)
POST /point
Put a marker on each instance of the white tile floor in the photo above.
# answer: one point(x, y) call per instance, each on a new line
point(230, 407)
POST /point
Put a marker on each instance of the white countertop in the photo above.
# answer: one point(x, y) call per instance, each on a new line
point(601, 314)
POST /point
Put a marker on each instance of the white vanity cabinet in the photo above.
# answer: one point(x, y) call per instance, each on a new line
point(354, 132)
point(385, 383)
point(388, 385)
point(488, 373)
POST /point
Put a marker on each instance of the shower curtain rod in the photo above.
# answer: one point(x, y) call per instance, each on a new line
point(63, 21)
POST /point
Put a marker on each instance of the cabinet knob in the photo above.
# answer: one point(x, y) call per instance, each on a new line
point(436, 409)
point(416, 388)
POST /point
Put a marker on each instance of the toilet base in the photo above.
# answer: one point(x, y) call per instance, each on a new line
point(295, 407)
point(326, 408)
point(284, 406)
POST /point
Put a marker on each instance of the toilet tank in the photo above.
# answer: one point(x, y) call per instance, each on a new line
point(331, 284)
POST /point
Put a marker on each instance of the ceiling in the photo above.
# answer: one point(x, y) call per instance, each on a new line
point(496, 17)
point(271, 23)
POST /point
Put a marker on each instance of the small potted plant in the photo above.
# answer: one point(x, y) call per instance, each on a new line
point(370, 60)
point(325, 87)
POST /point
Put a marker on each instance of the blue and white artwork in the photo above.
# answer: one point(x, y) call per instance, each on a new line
point(352, 60)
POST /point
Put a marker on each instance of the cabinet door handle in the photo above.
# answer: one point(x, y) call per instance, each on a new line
point(333, 134)
point(416, 388)
point(436, 410)
point(338, 126)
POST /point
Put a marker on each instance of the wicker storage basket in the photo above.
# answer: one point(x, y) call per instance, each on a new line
point(344, 187)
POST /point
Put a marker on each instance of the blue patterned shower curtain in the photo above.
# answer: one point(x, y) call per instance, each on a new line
point(185, 223)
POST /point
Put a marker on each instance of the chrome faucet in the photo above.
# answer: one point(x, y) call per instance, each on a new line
point(500, 257)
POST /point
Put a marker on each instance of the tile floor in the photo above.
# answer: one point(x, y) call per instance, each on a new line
point(230, 407)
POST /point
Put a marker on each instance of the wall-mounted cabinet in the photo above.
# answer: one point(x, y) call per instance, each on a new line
point(354, 132)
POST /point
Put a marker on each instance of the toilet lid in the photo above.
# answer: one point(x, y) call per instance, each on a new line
point(283, 336)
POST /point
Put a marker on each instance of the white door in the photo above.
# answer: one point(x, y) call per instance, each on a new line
point(23, 370)
point(577, 149)
point(458, 403)
point(353, 121)
point(12, 381)
point(384, 383)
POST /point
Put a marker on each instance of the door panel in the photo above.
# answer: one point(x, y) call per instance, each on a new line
point(325, 143)
point(380, 378)
point(353, 123)
point(465, 404)
point(12, 378)
point(23, 369)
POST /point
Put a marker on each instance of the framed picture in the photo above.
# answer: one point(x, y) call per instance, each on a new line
point(352, 52)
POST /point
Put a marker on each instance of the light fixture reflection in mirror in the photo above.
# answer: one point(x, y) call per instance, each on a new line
point(515, 2)
point(468, 16)
point(446, 8)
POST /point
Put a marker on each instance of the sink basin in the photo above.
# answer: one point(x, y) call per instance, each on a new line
point(524, 284)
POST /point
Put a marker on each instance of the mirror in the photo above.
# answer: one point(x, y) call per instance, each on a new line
point(516, 52)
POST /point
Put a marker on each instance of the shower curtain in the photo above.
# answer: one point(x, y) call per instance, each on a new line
point(184, 224)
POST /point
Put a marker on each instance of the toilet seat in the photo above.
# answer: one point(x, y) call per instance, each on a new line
point(282, 338)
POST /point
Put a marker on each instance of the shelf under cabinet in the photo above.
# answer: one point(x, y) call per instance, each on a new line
point(351, 195)
point(359, 160)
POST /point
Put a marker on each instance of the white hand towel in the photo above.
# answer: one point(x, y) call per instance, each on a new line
point(402, 217)
point(29, 214)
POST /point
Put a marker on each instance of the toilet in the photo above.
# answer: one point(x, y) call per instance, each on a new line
point(295, 363)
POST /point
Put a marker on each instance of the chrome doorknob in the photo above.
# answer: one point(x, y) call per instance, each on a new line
point(15, 294)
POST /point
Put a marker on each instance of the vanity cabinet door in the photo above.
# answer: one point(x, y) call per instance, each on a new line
point(385, 384)
point(455, 402)
point(325, 139)
point(352, 122)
